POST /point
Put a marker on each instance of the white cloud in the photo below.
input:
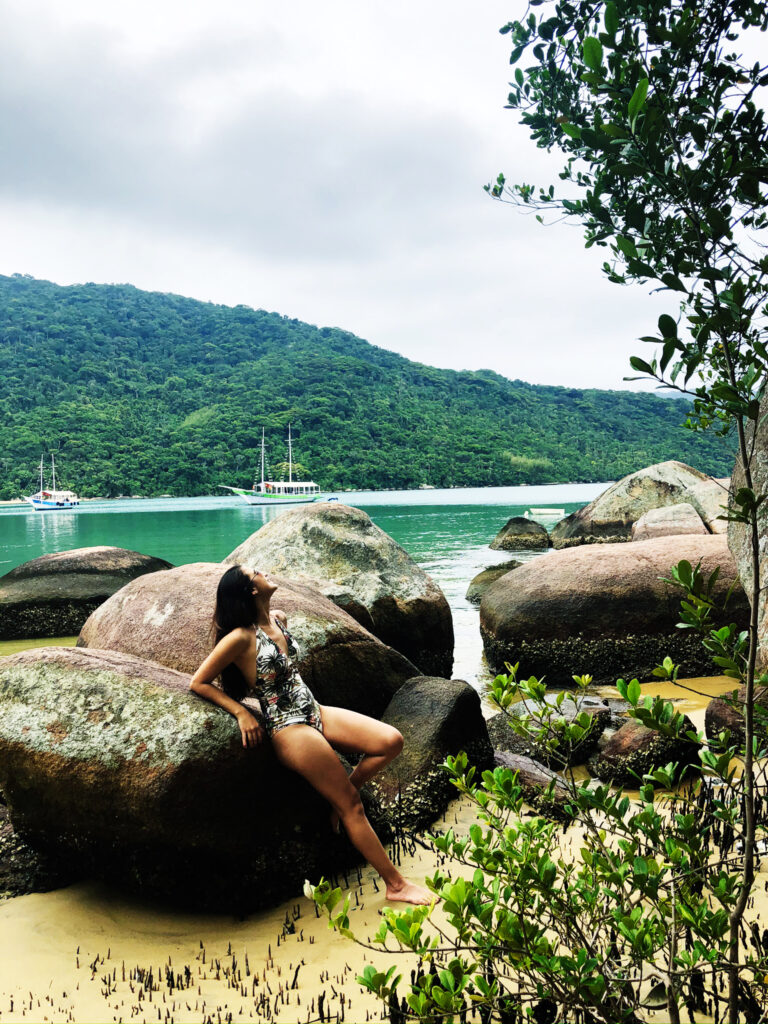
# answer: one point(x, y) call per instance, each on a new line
point(325, 161)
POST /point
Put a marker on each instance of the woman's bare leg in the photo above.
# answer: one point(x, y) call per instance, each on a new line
point(352, 733)
point(304, 750)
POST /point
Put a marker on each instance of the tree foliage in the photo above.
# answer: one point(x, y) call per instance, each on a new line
point(658, 115)
point(148, 394)
point(628, 912)
point(666, 151)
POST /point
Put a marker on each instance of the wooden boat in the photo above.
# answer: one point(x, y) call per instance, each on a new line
point(278, 492)
point(52, 499)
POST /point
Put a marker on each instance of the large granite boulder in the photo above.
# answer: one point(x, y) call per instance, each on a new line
point(610, 516)
point(436, 717)
point(635, 750)
point(53, 595)
point(521, 534)
point(603, 610)
point(669, 521)
point(167, 617)
point(710, 499)
point(339, 551)
point(112, 765)
point(480, 583)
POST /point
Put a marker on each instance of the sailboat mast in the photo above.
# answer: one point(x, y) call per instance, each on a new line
point(262, 460)
point(290, 456)
point(53, 473)
point(41, 474)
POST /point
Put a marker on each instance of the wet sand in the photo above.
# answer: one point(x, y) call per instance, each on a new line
point(78, 954)
point(691, 696)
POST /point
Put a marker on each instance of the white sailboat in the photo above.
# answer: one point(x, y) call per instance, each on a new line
point(51, 500)
point(278, 492)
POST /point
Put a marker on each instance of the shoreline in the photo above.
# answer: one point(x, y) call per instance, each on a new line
point(340, 490)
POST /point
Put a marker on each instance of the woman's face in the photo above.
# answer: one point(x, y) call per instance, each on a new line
point(262, 584)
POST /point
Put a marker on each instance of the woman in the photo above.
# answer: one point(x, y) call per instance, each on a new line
point(253, 655)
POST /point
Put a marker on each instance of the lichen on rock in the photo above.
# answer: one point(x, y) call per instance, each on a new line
point(609, 517)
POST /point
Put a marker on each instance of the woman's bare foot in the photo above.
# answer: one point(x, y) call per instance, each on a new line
point(408, 892)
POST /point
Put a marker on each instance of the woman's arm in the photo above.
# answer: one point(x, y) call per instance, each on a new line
point(224, 653)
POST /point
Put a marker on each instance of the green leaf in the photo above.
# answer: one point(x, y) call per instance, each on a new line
point(718, 222)
point(611, 18)
point(640, 866)
point(626, 246)
point(667, 326)
point(657, 997)
point(547, 873)
point(633, 692)
point(673, 282)
point(669, 350)
point(684, 571)
point(592, 52)
point(640, 365)
point(638, 99)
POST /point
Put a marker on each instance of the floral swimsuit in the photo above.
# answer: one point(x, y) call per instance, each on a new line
point(284, 696)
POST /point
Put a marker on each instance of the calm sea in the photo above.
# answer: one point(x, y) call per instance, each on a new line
point(446, 531)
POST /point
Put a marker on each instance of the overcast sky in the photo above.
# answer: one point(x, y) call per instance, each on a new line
point(323, 160)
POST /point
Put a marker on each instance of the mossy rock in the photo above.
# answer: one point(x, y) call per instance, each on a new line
point(521, 534)
point(53, 595)
point(480, 583)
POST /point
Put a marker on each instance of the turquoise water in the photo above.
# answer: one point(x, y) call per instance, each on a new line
point(446, 531)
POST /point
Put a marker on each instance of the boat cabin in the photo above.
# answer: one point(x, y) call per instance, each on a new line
point(308, 487)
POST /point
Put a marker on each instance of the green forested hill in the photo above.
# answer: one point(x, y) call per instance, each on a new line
point(143, 393)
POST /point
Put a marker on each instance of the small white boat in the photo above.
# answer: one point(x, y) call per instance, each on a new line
point(278, 492)
point(52, 499)
point(544, 513)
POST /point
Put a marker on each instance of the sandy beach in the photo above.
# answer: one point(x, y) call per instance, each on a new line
point(79, 954)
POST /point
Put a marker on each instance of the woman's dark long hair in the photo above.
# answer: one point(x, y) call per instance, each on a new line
point(234, 608)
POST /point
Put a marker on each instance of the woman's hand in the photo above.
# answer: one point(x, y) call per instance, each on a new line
point(250, 728)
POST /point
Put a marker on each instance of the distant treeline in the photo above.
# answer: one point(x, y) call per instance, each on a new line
point(143, 393)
